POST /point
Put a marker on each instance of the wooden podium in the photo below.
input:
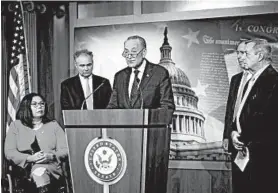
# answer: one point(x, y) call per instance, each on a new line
point(93, 138)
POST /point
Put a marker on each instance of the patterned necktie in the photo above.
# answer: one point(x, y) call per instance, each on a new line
point(242, 90)
point(89, 100)
point(134, 89)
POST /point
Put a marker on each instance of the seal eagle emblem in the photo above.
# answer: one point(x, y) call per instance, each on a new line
point(105, 160)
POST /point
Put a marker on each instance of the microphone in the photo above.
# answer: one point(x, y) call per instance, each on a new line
point(92, 93)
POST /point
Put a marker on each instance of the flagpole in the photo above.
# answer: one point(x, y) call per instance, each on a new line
point(26, 47)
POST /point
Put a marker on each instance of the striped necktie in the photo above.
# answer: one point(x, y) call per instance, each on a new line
point(134, 89)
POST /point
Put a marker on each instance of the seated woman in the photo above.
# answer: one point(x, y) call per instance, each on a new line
point(34, 140)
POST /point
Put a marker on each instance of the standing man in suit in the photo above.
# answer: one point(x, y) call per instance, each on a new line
point(255, 128)
point(237, 81)
point(141, 84)
point(85, 90)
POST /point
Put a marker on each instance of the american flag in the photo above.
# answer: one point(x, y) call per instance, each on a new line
point(19, 79)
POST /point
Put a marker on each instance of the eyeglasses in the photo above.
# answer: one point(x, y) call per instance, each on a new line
point(38, 104)
point(132, 55)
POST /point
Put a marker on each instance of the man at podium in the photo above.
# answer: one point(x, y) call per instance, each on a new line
point(141, 84)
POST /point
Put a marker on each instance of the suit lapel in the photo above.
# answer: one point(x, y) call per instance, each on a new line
point(96, 83)
point(236, 85)
point(78, 87)
point(145, 79)
point(260, 81)
point(146, 76)
point(126, 79)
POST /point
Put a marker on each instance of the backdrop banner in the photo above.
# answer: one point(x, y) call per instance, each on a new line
point(201, 60)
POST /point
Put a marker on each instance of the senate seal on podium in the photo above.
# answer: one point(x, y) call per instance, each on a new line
point(105, 160)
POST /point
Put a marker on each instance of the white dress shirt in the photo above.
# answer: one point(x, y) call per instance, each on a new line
point(249, 76)
point(140, 75)
point(244, 79)
point(84, 86)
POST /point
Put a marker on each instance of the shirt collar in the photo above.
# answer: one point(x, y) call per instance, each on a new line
point(142, 67)
point(247, 73)
point(83, 78)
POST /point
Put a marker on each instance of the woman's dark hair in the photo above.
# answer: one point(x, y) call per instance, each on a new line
point(24, 112)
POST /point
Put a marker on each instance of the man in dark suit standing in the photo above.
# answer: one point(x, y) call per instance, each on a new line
point(255, 128)
point(237, 81)
point(141, 84)
point(85, 90)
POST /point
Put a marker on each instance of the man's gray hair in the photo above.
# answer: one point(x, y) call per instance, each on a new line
point(262, 46)
point(243, 41)
point(82, 52)
point(136, 37)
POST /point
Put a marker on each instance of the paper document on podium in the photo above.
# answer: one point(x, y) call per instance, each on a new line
point(242, 158)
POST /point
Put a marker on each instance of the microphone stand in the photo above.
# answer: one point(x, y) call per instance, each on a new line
point(91, 94)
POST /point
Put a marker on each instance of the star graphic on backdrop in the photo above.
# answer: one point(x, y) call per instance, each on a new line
point(200, 89)
point(191, 37)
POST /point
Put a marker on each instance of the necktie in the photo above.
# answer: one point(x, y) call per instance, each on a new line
point(134, 88)
point(89, 100)
point(241, 92)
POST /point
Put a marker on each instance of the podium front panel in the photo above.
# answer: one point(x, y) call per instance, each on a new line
point(130, 140)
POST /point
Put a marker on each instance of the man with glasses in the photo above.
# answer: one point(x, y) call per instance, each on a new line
point(255, 125)
point(141, 84)
point(85, 90)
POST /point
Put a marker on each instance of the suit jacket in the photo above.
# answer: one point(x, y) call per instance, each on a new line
point(259, 115)
point(155, 89)
point(259, 125)
point(232, 97)
point(72, 94)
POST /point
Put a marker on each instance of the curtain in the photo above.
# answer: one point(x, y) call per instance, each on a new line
point(53, 58)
